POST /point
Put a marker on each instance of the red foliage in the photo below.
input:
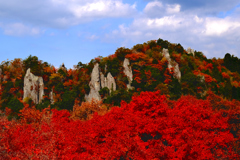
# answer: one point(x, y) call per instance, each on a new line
point(206, 66)
point(148, 74)
point(138, 79)
point(219, 68)
point(177, 57)
point(158, 66)
point(168, 75)
point(68, 83)
point(225, 75)
point(187, 129)
point(112, 56)
point(136, 56)
point(145, 47)
point(209, 66)
point(208, 78)
point(137, 76)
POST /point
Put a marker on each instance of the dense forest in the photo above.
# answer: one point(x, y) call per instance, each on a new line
point(204, 101)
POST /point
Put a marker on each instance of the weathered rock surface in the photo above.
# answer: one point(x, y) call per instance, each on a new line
point(103, 80)
point(111, 84)
point(94, 84)
point(41, 89)
point(33, 87)
point(51, 95)
point(128, 72)
point(98, 81)
point(189, 51)
point(172, 64)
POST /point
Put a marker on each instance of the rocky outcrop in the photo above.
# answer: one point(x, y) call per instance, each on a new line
point(103, 80)
point(63, 67)
point(172, 64)
point(94, 84)
point(128, 72)
point(111, 84)
point(108, 82)
point(33, 87)
point(51, 95)
point(41, 89)
point(189, 51)
point(98, 81)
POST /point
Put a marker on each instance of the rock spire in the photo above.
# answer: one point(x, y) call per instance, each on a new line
point(33, 87)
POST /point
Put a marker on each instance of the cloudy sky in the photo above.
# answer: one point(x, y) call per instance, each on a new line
point(71, 31)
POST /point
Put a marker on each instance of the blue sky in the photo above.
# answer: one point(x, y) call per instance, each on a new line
point(70, 31)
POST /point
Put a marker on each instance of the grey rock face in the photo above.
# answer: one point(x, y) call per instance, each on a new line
point(98, 81)
point(41, 89)
point(111, 84)
point(172, 64)
point(51, 95)
point(189, 51)
point(128, 72)
point(103, 80)
point(33, 87)
point(94, 84)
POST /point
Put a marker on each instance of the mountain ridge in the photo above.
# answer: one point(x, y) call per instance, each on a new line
point(151, 64)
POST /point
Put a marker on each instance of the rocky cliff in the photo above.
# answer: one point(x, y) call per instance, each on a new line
point(128, 72)
point(33, 87)
point(172, 64)
point(94, 84)
point(98, 81)
point(190, 51)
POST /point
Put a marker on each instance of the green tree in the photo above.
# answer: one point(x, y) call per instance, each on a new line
point(113, 66)
point(138, 47)
point(35, 65)
point(162, 43)
point(175, 89)
point(236, 93)
point(117, 96)
point(15, 105)
point(192, 82)
point(104, 92)
point(122, 52)
point(227, 90)
point(68, 98)
point(178, 48)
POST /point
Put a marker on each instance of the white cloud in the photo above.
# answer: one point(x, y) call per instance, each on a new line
point(217, 26)
point(204, 7)
point(19, 29)
point(158, 9)
point(153, 5)
point(212, 35)
point(62, 13)
point(106, 8)
point(171, 9)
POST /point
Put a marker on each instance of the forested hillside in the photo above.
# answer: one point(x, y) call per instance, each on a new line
point(150, 73)
point(210, 83)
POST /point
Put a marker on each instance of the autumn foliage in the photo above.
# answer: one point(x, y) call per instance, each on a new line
point(146, 128)
point(154, 125)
